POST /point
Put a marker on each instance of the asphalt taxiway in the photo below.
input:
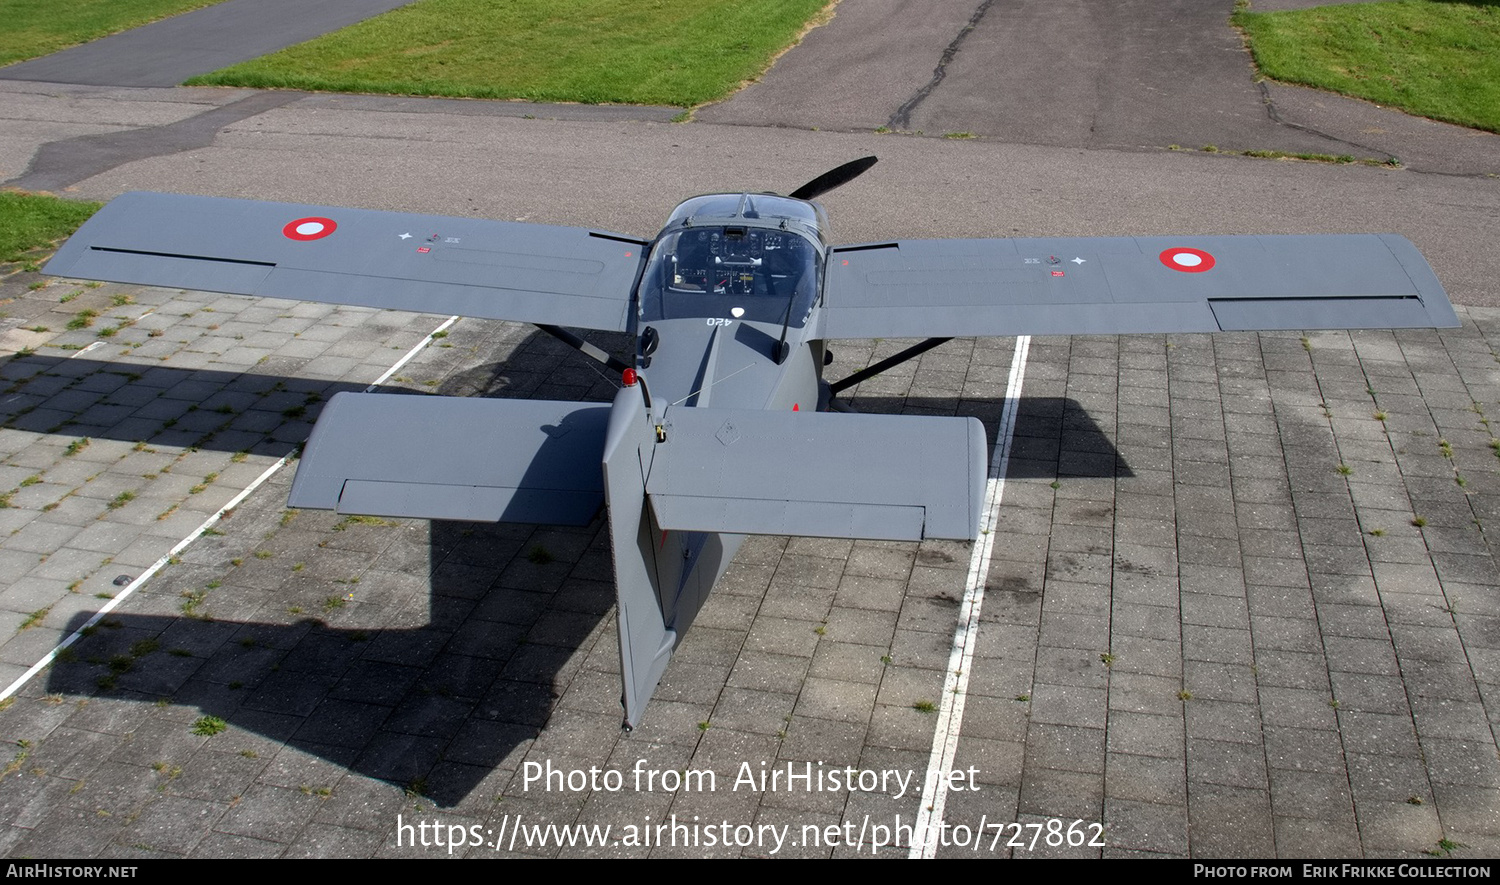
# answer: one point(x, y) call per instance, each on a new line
point(166, 52)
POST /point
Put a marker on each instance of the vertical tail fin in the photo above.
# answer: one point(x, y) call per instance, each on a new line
point(645, 642)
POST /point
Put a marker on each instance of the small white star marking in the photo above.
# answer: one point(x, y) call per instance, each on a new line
point(406, 236)
point(1078, 260)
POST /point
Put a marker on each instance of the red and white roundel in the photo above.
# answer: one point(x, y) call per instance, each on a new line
point(1187, 260)
point(309, 228)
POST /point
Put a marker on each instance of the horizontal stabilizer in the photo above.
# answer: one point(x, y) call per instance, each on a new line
point(832, 475)
point(530, 273)
point(432, 457)
point(1120, 285)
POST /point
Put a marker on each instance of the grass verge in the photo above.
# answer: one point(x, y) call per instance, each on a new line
point(32, 28)
point(1435, 59)
point(665, 52)
point(1337, 160)
point(32, 221)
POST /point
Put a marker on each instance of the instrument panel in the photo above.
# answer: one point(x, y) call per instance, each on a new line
point(725, 261)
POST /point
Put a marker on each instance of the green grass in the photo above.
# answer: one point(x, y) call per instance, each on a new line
point(208, 726)
point(1434, 59)
point(33, 29)
point(31, 221)
point(671, 52)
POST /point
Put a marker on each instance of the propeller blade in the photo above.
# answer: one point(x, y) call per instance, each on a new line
point(836, 177)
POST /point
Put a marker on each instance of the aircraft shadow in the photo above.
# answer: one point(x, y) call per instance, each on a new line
point(426, 678)
point(434, 707)
point(262, 413)
point(1054, 437)
point(430, 678)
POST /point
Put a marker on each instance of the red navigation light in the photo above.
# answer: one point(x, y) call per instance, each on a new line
point(628, 376)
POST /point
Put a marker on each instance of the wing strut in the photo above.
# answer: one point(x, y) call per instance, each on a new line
point(586, 348)
point(887, 363)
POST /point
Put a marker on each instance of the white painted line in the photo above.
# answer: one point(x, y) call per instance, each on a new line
point(411, 353)
point(924, 842)
point(145, 576)
point(86, 349)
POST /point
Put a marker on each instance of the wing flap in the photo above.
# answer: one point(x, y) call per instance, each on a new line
point(424, 263)
point(887, 477)
point(1116, 285)
point(489, 460)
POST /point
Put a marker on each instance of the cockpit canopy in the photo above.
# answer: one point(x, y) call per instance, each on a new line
point(759, 209)
point(733, 272)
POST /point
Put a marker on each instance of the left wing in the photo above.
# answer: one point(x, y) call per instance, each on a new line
point(531, 273)
point(1117, 285)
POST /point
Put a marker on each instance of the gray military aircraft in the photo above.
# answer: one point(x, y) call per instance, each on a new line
point(723, 425)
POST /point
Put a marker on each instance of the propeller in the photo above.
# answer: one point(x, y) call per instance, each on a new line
point(836, 177)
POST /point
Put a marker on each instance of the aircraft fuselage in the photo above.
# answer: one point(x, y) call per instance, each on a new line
point(725, 311)
point(726, 305)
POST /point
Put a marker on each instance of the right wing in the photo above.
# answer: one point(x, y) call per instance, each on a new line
point(1119, 285)
point(531, 273)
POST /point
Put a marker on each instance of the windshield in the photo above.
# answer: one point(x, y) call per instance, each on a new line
point(758, 206)
point(732, 272)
